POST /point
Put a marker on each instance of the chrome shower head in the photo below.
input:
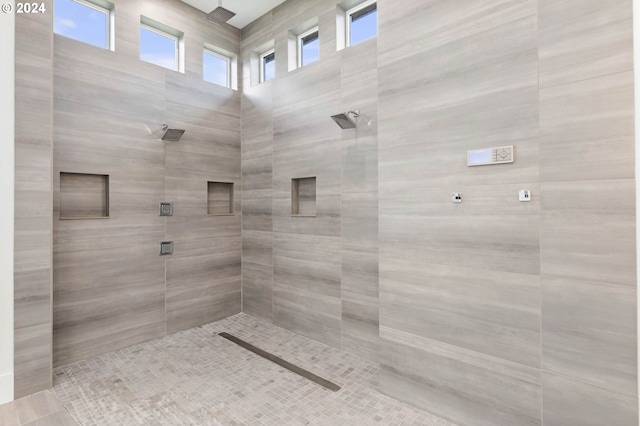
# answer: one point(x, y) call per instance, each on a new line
point(220, 15)
point(171, 135)
point(345, 121)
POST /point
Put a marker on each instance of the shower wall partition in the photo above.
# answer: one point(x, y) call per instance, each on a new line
point(111, 288)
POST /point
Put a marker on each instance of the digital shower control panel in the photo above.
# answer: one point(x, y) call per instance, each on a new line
point(483, 157)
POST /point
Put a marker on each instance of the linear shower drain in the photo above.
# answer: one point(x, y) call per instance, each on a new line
point(281, 362)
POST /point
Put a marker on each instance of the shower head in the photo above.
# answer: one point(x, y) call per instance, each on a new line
point(220, 15)
point(345, 121)
point(171, 135)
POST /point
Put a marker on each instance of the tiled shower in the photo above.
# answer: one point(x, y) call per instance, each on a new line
point(486, 312)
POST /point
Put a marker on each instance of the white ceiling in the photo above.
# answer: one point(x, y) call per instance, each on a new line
point(246, 11)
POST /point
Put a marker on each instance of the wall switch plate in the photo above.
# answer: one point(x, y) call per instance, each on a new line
point(166, 209)
point(456, 197)
point(524, 195)
point(166, 247)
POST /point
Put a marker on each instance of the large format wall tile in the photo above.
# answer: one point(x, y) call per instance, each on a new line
point(307, 262)
point(586, 130)
point(465, 327)
point(571, 402)
point(582, 39)
point(112, 289)
point(491, 312)
point(33, 241)
point(405, 26)
point(588, 231)
point(589, 333)
point(464, 386)
point(307, 313)
point(202, 282)
point(489, 230)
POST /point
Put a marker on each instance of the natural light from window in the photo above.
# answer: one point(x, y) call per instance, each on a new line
point(158, 48)
point(82, 21)
point(267, 66)
point(363, 22)
point(216, 68)
point(309, 47)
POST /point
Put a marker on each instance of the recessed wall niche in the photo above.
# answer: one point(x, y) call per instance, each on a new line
point(84, 196)
point(303, 196)
point(220, 199)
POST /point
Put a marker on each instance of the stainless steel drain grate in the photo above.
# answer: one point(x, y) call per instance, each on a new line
point(281, 362)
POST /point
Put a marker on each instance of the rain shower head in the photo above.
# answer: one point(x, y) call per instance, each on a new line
point(171, 135)
point(220, 15)
point(345, 121)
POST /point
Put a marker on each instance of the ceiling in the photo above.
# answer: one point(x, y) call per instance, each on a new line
point(246, 11)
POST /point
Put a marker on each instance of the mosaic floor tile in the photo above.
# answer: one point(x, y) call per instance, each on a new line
point(196, 377)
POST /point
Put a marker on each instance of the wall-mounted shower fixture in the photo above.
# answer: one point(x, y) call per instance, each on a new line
point(166, 209)
point(345, 121)
point(171, 135)
point(219, 15)
point(166, 248)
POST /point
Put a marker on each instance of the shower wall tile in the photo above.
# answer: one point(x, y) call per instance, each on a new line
point(309, 314)
point(435, 23)
point(257, 172)
point(489, 230)
point(455, 383)
point(203, 282)
point(495, 60)
point(572, 402)
point(580, 39)
point(109, 111)
point(589, 333)
point(428, 148)
point(257, 288)
point(257, 247)
point(307, 262)
point(588, 231)
point(459, 283)
point(321, 161)
point(257, 176)
point(360, 323)
point(33, 243)
point(587, 129)
point(292, 136)
point(486, 311)
point(257, 182)
point(257, 213)
point(306, 124)
point(360, 271)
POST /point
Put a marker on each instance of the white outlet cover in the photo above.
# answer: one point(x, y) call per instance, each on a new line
point(524, 195)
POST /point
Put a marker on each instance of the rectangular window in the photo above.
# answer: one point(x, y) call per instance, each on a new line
point(160, 45)
point(362, 22)
point(216, 68)
point(87, 21)
point(308, 47)
point(267, 65)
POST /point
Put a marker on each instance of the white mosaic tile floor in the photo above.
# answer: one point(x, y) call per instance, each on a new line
point(196, 377)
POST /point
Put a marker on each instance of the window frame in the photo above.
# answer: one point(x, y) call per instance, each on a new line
point(170, 36)
point(300, 44)
point(224, 58)
point(354, 10)
point(109, 24)
point(262, 63)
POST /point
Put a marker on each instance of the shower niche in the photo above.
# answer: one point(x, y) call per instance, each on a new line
point(220, 199)
point(303, 197)
point(84, 196)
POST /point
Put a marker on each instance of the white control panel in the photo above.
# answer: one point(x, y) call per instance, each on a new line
point(483, 157)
